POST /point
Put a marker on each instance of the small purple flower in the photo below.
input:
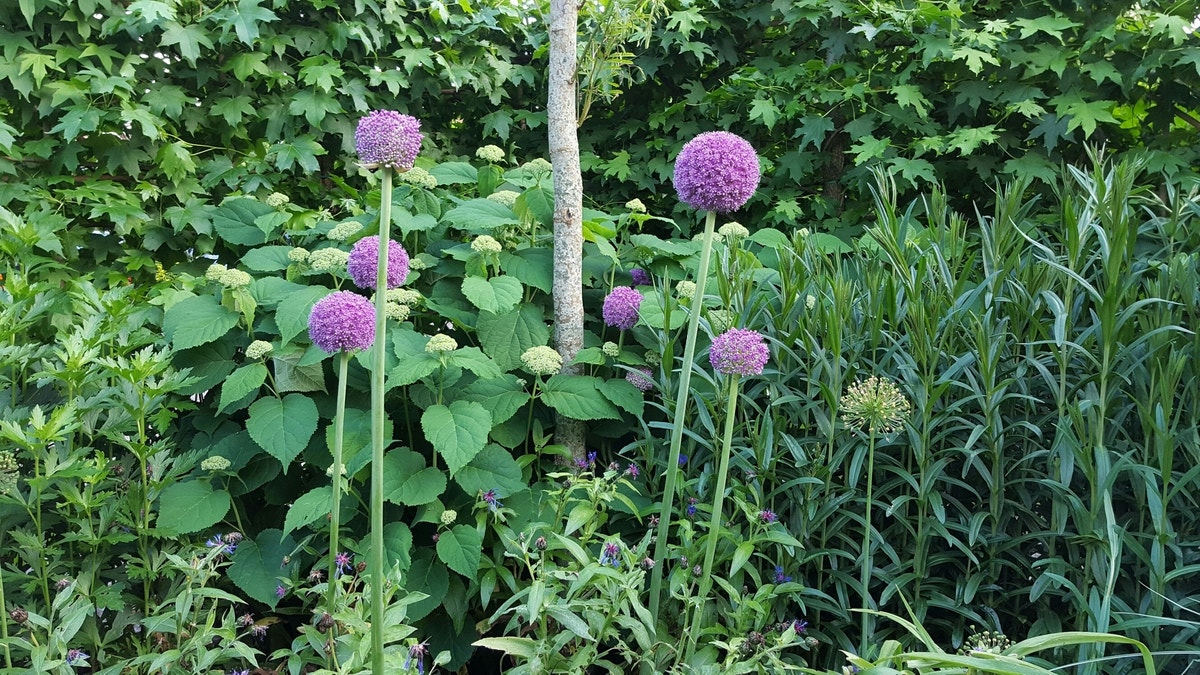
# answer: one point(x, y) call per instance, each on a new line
point(417, 653)
point(800, 626)
point(77, 657)
point(640, 276)
point(767, 516)
point(716, 171)
point(633, 471)
point(621, 307)
point(388, 138)
point(62, 583)
point(640, 379)
point(739, 352)
point(492, 500)
point(224, 542)
point(683, 460)
point(280, 591)
point(342, 321)
point(259, 631)
point(244, 671)
point(246, 620)
point(342, 561)
point(780, 577)
point(587, 462)
point(611, 555)
point(691, 507)
point(363, 265)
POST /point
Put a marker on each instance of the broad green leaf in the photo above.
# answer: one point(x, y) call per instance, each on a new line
point(197, 320)
point(309, 507)
point(1083, 114)
point(246, 18)
point(504, 337)
point(1050, 25)
point(241, 382)
point(653, 246)
point(453, 173)
point(234, 221)
point(292, 316)
point(302, 151)
point(460, 548)
point(190, 507)
point(408, 481)
point(623, 394)
point(651, 312)
point(458, 431)
point(503, 396)
point(470, 358)
point(764, 110)
point(209, 363)
point(284, 426)
point(516, 646)
point(189, 38)
point(531, 266)
point(427, 576)
point(496, 295)
point(259, 564)
point(492, 469)
point(267, 258)
point(578, 397)
point(536, 204)
point(397, 545)
point(480, 215)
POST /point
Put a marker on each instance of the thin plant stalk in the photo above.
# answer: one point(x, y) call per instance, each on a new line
point(715, 520)
point(376, 559)
point(335, 514)
point(865, 574)
point(4, 622)
point(681, 400)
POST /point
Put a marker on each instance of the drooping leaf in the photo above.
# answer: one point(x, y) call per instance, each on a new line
point(458, 431)
point(578, 397)
point(284, 426)
point(493, 468)
point(497, 294)
point(460, 548)
point(308, 508)
point(241, 382)
point(259, 563)
point(197, 320)
point(408, 481)
point(190, 507)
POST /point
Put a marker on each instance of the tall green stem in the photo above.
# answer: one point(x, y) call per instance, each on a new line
point(335, 514)
point(4, 621)
point(865, 576)
point(681, 401)
point(375, 561)
point(714, 523)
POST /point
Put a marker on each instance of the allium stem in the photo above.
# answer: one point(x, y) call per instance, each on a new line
point(717, 517)
point(681, 400)
point(375, 561)
point(339, 424)
point(865, 575)
point(4, 623)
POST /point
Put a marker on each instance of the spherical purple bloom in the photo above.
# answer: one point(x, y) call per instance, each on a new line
point(621, 307)
point(716, 171)
point(388, 138)
point(739, 352)
point(640, 276)
point(342, 321)
point(363, 264)
point(640, 379)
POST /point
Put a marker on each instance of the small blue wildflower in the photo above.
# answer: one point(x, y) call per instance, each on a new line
point(492, 500)
point(417, 652)
point(691, 508)
point(633, 471)
point(683, 460)
point(77, 657)
point(342, 561)
point(780, 577)
point(611, 555)
point(767, 516)
point(800, 626)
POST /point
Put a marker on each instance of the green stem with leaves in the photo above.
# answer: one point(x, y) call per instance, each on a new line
point(681, 400)
point(376, 558)
point(716, 518)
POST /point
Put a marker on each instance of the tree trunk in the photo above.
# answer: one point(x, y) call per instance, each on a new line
point(562, 125)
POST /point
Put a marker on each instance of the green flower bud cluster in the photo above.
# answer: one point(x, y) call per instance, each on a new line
point(8, 472)
point(229, 278)
point(635, 205)
point(396, 311)
point(277, 200)
point(343, 231)
point(298, 255)
point(330, 260)
point(505, 197)
point(542, 360)
point(685, 289)
point(611, 349)
point(419, 177)
point(215, 463)
point(258, 349)
point(733, 230)
point(440, 343)
point(490, 153)
point(485, 244)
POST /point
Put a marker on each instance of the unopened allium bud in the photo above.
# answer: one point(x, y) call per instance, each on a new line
point(215, 463)
point(449, 516)
point(343, 231)
point(635, 205)
point(733, 230)
point(277, 199)
point(685, 289)
point(331, 260)
point(611, 349)
point(652, 358)
point(234, 278)
point(486, 244)
point(542, 360)
point(876, 403)
point(505, 197)
point(490, 153)
point(214, 271)
point(258, 349)
point(440, 343)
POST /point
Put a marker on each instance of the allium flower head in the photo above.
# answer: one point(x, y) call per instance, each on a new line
point(258, 349)
point(440, 343)
point(490, 153)
point(485, 244)
point(542, 360)
point(876, 403)
point(342, 321)
point(364, 260)
point(640, 378)
point(505, 197)
point(716, 171)
point(621, 307)
point(739, 352)
point(388, 138)
point(640, 276)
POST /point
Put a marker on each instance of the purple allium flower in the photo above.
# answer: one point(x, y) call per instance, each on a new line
point(76, 656)
point(417, 652)
point(621, 307)
point(716, 171)
point(611, 555)
point(342, 321)
point(780, 577)
point(363, 265)
point(492, 500)
point(767, 516)
point(388, 138)
point(640, 276)
point(639, 378)
point(739, 352)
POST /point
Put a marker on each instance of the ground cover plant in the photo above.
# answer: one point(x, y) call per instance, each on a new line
point(960, 436)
